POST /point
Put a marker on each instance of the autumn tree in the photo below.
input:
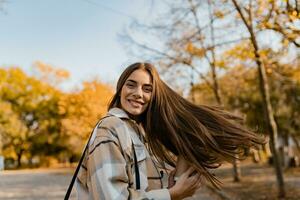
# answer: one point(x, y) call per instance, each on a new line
point(282, 17)
point(82, 109)
point(247, 16)
point(28, 101)
point(47, 73)
point(284, 83)
point(12, 131)
point(38, 120)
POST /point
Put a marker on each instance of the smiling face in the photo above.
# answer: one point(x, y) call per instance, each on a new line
point(136, 92)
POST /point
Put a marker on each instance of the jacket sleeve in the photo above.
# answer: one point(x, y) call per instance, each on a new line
point(108, 176)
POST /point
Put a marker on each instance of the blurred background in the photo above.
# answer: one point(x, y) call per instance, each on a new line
point(60, 60)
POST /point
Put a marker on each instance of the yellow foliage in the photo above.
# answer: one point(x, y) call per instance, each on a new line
point(269, 70)
point(264, 53)
point(285, 42)
point(296, 75)
point(34, 112)
point(62, 73)
point(189, 47)
point(262, 6)
point(42, 67)
point(49, 74)
point(221, 64)
point(82, 109)
point(294, 13)
point(219, 14)
point(242, 51)
point(199, 52)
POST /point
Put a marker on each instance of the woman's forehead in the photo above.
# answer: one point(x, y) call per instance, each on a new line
point(140, 76)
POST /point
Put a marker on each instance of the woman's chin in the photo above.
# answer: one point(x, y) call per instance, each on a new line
point(135, 112)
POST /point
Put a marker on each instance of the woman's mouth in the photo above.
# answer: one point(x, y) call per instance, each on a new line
point(135, 103)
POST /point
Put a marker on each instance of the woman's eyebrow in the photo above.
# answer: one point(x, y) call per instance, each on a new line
point(133, 81)
point(129, 80)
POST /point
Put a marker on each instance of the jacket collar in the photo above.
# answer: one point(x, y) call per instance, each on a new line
point(118, 112)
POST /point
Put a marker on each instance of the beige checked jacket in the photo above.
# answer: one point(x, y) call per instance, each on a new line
point(107, 172)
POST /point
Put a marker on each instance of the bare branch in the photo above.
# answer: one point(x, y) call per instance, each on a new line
point(193, 10)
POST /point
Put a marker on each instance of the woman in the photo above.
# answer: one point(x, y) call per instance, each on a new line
point(108, 171)
point(202, 136)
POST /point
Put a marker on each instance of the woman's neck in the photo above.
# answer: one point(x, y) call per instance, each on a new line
point(136, 118)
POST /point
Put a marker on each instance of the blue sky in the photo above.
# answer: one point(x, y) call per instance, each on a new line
point(80, 36)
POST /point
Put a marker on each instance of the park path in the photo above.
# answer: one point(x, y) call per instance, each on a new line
point(206, 193)
point(41, 184)
point(50, 184)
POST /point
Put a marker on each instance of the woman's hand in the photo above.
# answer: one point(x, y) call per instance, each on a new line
point(186, 185)
point(171, 181)
point(181, 166)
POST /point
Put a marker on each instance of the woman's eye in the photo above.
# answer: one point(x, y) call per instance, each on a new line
point(148, 89)
point(130, 85)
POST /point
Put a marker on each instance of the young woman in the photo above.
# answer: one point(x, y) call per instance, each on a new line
point(146, 118)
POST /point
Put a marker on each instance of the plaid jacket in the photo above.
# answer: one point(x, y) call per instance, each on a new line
point(107, 172)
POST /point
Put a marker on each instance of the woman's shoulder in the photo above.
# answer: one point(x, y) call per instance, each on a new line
point(106, 130)
point(117, 129)
point(111, 122)
point(117, 126)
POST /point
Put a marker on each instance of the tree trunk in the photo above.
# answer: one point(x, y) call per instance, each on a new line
point(286, 151)
point(236, 171)
point(19, 156)
point(272, 126)
point(296, 143)
point(264, 90)
point(1, 145)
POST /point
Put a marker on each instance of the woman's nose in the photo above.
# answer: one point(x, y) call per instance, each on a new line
point(138, 92)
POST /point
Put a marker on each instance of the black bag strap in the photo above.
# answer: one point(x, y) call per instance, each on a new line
point(137, 171)
point(80, 162)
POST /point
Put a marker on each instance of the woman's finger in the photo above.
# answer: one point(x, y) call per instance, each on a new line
point(194, 179)
point(171, 181)
point(199, 181)
point(173, 172)
point(199, 184)
point(188, 172)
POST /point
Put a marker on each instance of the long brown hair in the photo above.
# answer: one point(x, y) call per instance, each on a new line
point(204, 135)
